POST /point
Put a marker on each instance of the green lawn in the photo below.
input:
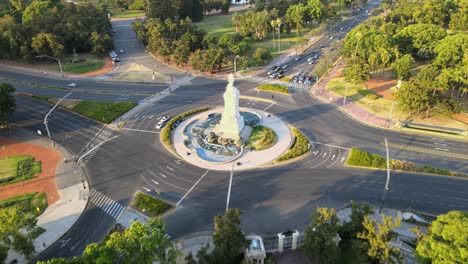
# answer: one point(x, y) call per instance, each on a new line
point(273, 88)
point(104, 112)
point(121, 13)
point(35, 203)
point(9, 168)
point(222, 24)
point(149, 205)
point(262, 138)
point(300, 146)
point(90, 63)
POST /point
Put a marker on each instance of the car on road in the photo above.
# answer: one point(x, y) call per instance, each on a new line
point(297, 58)
point(113, 54)
point(284, 67)
point(310, 58)
point(121, 51)
point(73, 85)
point(312, 62)
point(160, 124)
point(274, 68)
point(164, 118)
point(295, 79)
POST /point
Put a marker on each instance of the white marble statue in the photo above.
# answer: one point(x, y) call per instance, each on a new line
point(232, 122)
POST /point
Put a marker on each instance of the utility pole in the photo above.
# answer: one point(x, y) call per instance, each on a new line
point(230, 184)
point(345, 94)
point(57, 59)
point(235, 64)
point(387, 182)
point(389, 121)
point(47, 115)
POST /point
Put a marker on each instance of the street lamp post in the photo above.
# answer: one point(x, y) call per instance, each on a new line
point(47, 115)
point(389, 121)
point(235, 64)
point(345, 94)
point(57, 59)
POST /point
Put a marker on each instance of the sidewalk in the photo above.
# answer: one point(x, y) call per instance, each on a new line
point(71, 186)
point(354, 110)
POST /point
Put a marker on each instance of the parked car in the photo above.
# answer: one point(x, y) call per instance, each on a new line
point(73, 85)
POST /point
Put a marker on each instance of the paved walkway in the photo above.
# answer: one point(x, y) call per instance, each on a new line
point(249, 159)
point(354, 110)
point(71, 188)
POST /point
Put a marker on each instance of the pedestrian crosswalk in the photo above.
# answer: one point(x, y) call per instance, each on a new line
point(299, 86)
point(109, 206)
point(103, 135)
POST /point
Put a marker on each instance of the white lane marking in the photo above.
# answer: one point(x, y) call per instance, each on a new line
point(155, 182)
point(440, 144)
point(325, 159)
point(178, 162)
point(439, 139)
point(172, 175)
point(121, 212)
point(162, 175)
point(329, 145)
point(442, 149)
point(230, 185)
point(169, 168)
point(140, 130)
point(337, 158)
point(147, 189)
point(268, 106)
point(175, 186)
point(177, 204)
point(342, 159)
point(324, 154)
point(333, 157)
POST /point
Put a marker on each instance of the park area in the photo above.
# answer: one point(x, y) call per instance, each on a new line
point(86, 63)
point(28, 173)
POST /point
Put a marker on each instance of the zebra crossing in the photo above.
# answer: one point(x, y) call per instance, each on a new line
point(260, 80)
point(299, 86)
point(109, 206)
point(103, 135)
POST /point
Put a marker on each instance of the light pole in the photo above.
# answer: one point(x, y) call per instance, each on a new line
point(235, 64)
point(345, 94)
point(57, 59)
point(47, 115)
point(387, 182)
point(389, 121)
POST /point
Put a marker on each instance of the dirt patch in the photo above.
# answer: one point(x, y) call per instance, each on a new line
point(382, 86)
point(107, 68)
point(44, 182)
point(462, 117)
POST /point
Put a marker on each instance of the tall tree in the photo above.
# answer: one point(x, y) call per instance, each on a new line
point(357, 73)
point(228, 238)
point(420, 38)
point(358, 213)
point(7, 102)
point(320, 236)
point(17, 229)
point(261, 56)
point(378, 236)
point(162, 9)
point(100, 43)
point(403, 65)
point(315, 9)
point(296, 14)
point(447, 239)
point(451, 50)
point(413, 98)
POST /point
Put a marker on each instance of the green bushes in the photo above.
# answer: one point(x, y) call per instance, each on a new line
point(273, 88)
point(261, 138)
point(18, 168)
point(34, 203)
point(363, 158)
point(149, 205)
point(300, 146)
point(166, 131)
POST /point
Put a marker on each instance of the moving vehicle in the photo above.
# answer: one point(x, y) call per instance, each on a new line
point(297, 58)
point(284, 67)
point(73, 85)
point(121, 51)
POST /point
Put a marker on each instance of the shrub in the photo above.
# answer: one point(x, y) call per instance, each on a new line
point(273, 88)
point(300, 146)
point(363, 158)
point(149, 205)
point(372, 96)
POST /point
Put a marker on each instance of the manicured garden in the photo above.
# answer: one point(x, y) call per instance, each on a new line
point(261, 138)
point(362, 158)
point(34, 203)
point(149, 205)
point(273, 88)
point(300, 146)
point(104, 112)
point(18, 168)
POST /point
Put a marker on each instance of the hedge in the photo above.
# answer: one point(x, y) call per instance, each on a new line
point(166, 131)
point(273, 88)
point(363, 158)
point(300, 146)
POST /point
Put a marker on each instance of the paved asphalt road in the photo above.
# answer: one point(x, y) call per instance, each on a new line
point(288, 193)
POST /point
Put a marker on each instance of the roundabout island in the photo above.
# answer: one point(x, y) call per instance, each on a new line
point(230, 137)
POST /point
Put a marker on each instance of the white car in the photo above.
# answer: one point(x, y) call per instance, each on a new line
point(73, 85)
point(284, 67)
point(160, 124)
point(164, 118)
point(121, 51)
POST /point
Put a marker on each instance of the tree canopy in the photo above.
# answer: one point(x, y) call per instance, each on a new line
point(447, 239)
point(7, 102)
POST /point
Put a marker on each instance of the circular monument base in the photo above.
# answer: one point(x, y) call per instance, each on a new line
point(245, 159)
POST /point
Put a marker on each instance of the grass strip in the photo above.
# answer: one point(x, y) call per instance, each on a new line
point(104, 112)
point(150, 206)
point(34, 203)
point(262, 138)
point(167, 129)
point(273, 88)
point(299, 147)
point(362, 158)
point(41, 97)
